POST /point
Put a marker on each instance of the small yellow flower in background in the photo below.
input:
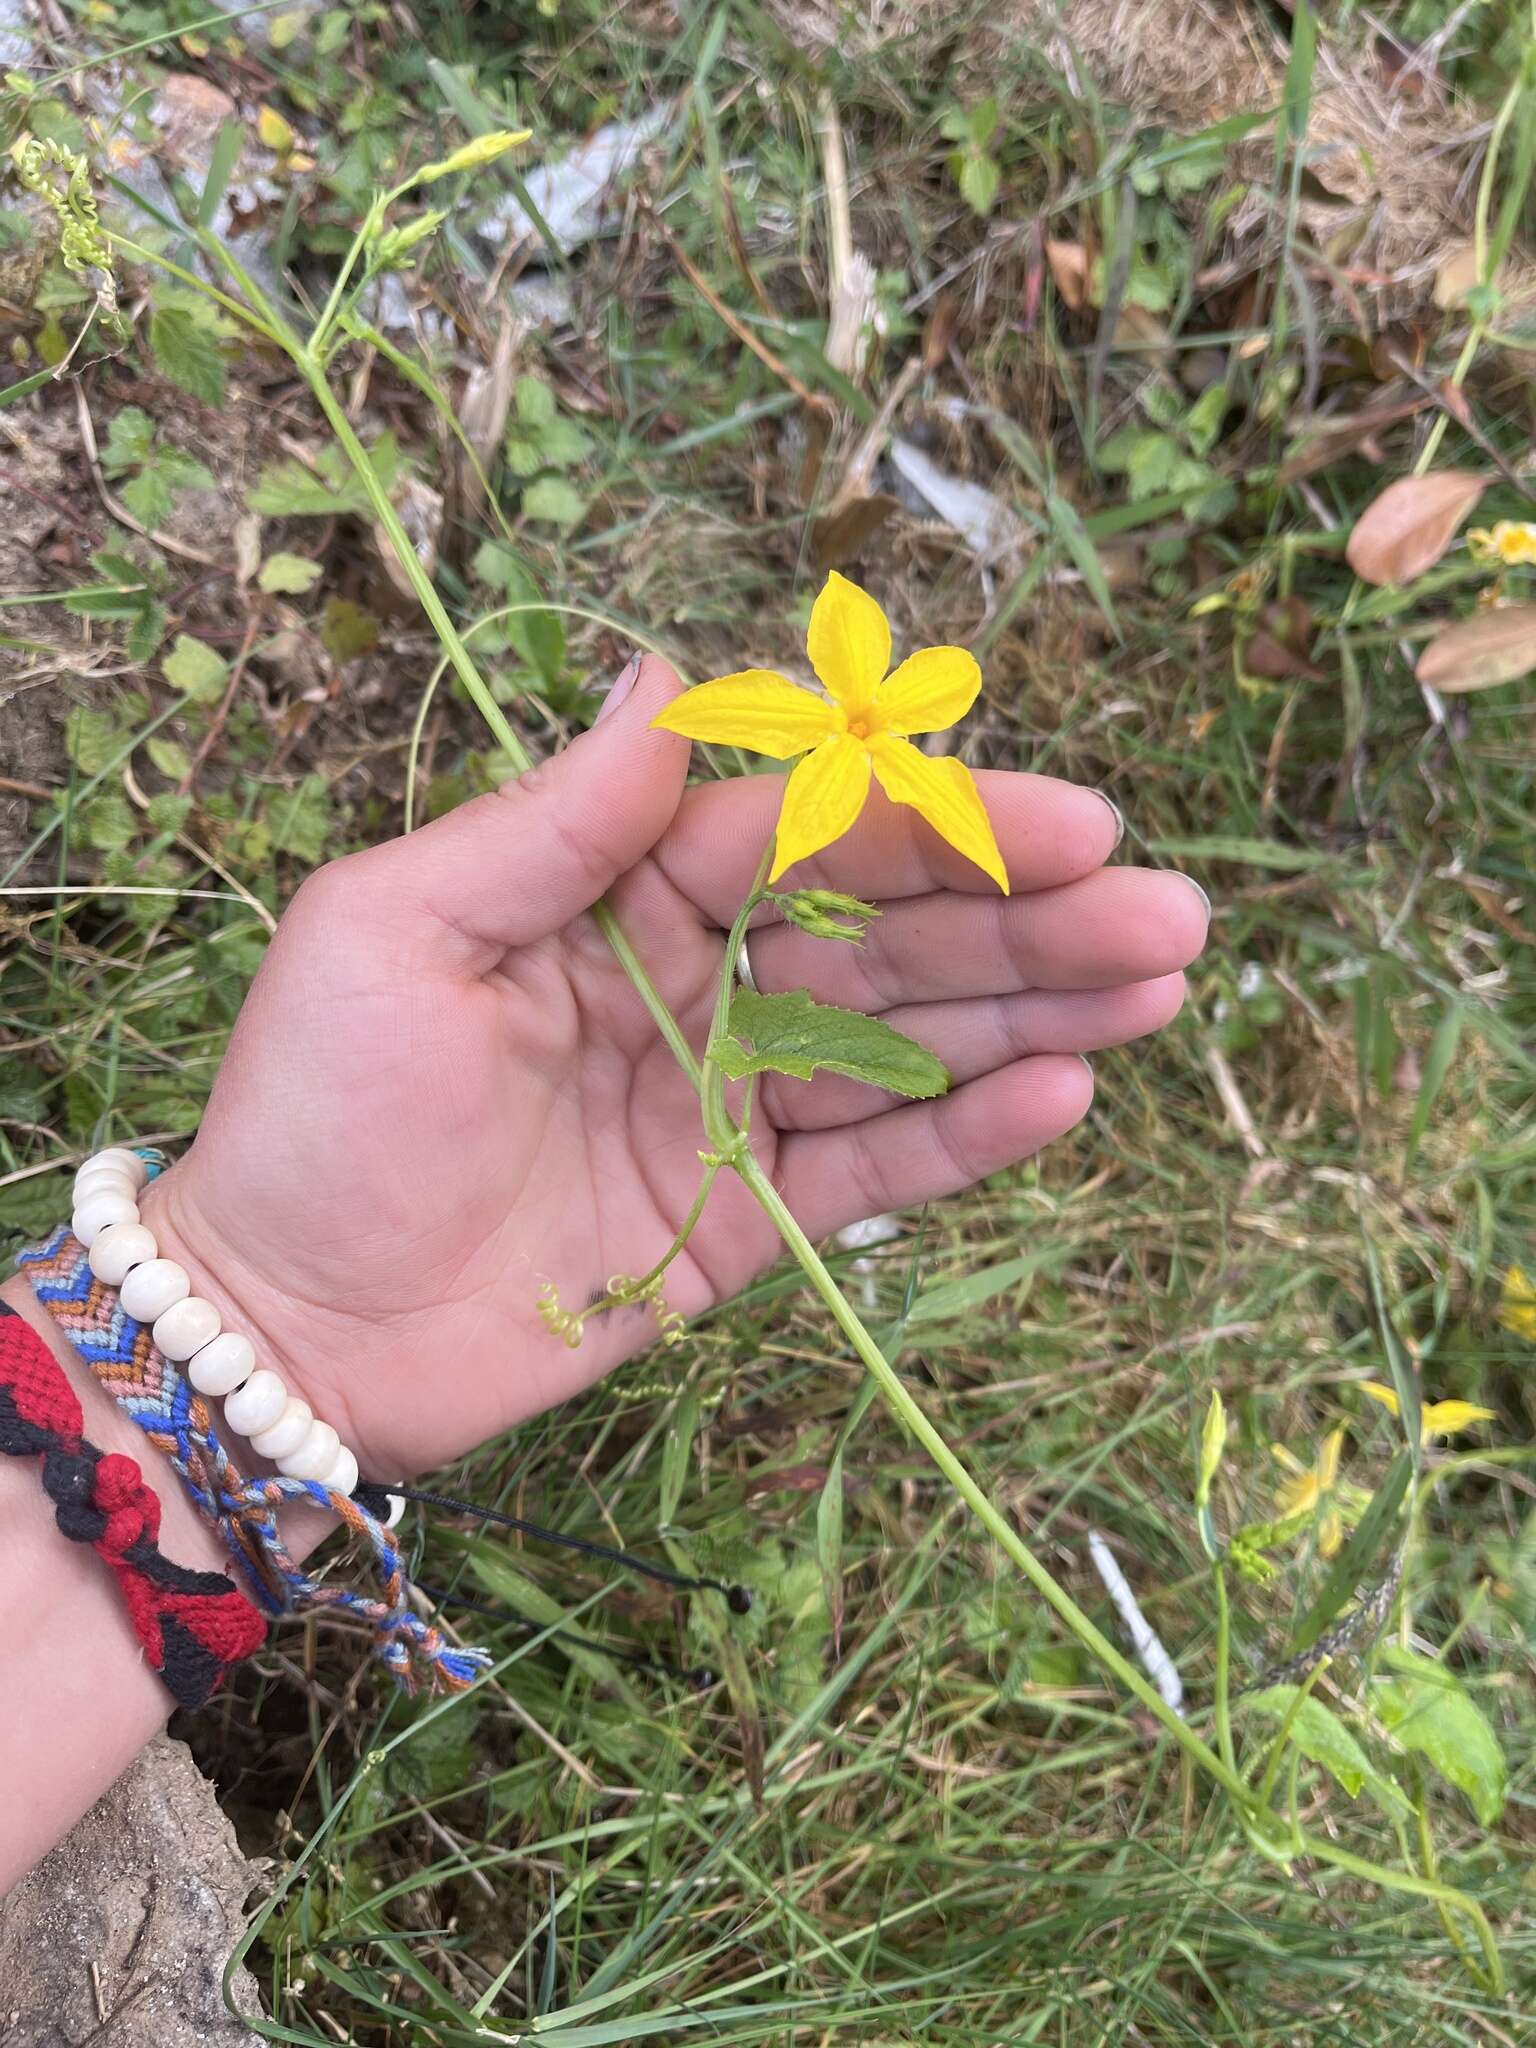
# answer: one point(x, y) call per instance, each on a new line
point(1517, 1309)
point(1511, 541)
point(274, 132)
point(860, 728)
point(1436, 1418)
point(1310, 1489)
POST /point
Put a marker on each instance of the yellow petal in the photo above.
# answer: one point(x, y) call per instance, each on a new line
point(1297, 1496)
point(821, 800)
point(274, 132)
point(1330, 1533)
point(758, 710)
point(1328, 1458)
point(1445, 1418)
point(849, 643)
point(945, 793)
point(929, 691)
point(1385, 1395)
point(1517, 1309)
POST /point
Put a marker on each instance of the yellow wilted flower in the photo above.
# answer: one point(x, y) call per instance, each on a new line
point(274, 132)
point(1309, 1489)
point(861, 727)
point(1436, 1418)
point(483, 150)
point(1517, 1309)
point(1511, 541)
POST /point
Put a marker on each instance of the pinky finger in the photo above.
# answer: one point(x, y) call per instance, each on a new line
point(926, 1149)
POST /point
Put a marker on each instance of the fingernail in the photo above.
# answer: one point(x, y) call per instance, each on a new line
point(1200, 893)
point(620, 688)
point(1115, 812)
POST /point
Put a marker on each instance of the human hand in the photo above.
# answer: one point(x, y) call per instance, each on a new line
point(443, 1092)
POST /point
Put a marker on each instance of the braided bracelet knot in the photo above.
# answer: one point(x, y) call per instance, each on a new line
point(192, 1625)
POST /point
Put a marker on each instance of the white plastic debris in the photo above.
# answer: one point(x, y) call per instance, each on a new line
point(573, 194)
point(990, 529)
point(1159, 1666)
point(864, 1236)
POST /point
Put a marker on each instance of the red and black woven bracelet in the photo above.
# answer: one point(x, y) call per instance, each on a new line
point(193, 1625)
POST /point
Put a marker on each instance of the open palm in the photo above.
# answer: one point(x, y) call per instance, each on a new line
point(443, 1093)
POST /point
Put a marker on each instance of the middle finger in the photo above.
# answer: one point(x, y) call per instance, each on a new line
point(1119, 925)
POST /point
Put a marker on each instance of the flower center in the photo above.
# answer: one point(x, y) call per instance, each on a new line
point(862, 728)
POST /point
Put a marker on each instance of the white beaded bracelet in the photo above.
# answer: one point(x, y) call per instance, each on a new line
point(186, 1328)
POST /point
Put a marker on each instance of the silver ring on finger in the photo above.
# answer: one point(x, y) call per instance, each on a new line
point(744, 972)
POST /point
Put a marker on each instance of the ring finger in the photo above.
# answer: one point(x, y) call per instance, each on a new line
point(1119, 925)
point(977, 1037)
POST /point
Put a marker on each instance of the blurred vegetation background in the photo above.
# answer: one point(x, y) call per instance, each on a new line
point(1091, 336)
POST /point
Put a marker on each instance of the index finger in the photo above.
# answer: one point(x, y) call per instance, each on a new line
point(1049, 832)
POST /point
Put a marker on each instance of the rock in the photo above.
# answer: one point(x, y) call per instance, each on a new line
point(120, 1937)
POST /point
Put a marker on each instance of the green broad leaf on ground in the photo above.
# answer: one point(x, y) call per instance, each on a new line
point(794, 1034)
point(554, 500)
point(290, 489)
point(91, 739)
point(187, 351)
point(1428, 1711)
point(288, 575)
point(130, 439)
point(196, 669)
point(1323, 1739)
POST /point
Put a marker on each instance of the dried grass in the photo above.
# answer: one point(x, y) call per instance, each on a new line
point(1403, 165)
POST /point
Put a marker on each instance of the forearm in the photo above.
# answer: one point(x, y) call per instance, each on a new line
point(77, 1697)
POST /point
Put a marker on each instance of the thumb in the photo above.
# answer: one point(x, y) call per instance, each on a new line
point(511, 867)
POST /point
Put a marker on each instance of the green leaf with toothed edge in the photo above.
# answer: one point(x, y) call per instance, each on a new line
point(794, 1034)
point(1323, 1739)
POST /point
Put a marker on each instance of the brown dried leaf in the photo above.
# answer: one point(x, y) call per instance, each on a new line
point(943, 326)
point(1138, 328)
point(1481, 652)
point(1343, 435)
point(1069, 271)
point(484, 407)
point(1456, 276)
point(841, 535)
point(1495, 904)
point(1410, 525)
point(1266, 656)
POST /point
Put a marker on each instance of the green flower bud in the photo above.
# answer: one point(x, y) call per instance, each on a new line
point(821, 913)
point(1213, 1441)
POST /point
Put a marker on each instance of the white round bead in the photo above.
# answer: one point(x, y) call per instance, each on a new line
point(150, 1289)
point(287, 1433)
point(257, 1405)
point(98, 1210)
point(187, 1326)
point(118, 1249)
point(101, 1180)
point(118, 1159)
point(343, 1474)
point(315, 1456)
point(223, 1365)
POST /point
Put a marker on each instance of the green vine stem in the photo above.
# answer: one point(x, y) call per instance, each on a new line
point(1264, 1829)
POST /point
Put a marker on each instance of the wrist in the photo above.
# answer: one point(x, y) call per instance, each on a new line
point(186, 1535)
point(292, 1339)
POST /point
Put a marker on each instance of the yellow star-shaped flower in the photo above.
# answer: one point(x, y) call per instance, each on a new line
point(1310, 1489)
point(861, 728)
point(1436, 1418)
